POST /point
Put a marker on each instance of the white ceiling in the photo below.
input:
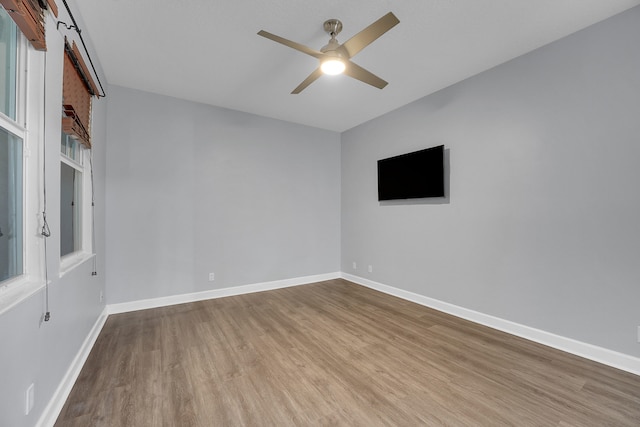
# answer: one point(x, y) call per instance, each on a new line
point(208, 51)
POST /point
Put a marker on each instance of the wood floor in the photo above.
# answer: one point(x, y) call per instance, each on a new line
point(334, 353)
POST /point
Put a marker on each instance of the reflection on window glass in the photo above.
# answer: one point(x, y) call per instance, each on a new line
point(71, 148)
point(8, 48)
point(11, 232)
point(70, 181)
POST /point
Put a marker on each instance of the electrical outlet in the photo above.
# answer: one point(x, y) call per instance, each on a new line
point(212, 277)
point(355, 267)
point(29, 399)
point(370, 268)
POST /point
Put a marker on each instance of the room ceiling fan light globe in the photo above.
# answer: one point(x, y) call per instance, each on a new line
point(332, 66)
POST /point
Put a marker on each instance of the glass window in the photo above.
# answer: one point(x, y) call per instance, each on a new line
point(71, 148)
point(11, 189)
point(11, 158)
point(8, 57)
point(70, 196)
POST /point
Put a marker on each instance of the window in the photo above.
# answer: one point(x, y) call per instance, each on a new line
point(71, 185)
point(11, 233)
point(75, 203)
point(11, 157)
point(21, 150)
point(75, 151)
point(8, 58)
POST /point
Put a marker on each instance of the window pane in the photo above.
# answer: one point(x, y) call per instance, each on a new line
point(11, 233)
point(8, 45)
point(70, 203)
point(70, 147)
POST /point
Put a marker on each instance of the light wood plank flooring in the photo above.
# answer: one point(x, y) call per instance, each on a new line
point(334, 353)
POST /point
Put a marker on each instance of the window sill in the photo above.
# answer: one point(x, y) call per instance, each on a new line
point(70, 262)
point(17, 291)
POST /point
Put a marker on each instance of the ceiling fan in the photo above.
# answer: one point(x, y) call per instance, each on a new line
point(335, 58)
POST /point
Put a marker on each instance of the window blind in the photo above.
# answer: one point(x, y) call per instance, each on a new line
point(29, 17)
point(77, 89)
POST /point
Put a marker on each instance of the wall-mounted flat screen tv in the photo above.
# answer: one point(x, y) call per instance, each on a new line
point(413, 175)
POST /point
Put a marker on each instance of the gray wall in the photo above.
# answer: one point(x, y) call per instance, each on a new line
point(33, 351)
point(541, 226)
point(194, 189)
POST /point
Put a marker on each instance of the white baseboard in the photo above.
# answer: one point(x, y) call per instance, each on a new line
point(588, 351)
point(217, 293)
point(52, 411)
point(55, 405)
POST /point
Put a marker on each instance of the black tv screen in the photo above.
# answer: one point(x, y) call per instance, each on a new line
point(413, 175)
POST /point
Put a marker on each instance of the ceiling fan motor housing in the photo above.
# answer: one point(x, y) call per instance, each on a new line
point(331, 47)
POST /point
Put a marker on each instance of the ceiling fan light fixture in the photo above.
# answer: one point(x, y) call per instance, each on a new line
point(335, 58)
point(333, 66)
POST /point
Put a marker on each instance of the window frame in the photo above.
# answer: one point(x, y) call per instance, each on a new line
point(69, 261)
point(17, 127)
point(28, 125)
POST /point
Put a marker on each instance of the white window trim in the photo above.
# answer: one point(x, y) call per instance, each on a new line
point(17, 290)
point(75, 259)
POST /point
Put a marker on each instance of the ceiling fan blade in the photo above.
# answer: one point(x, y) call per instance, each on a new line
point(312, 78)
point(361, 40)
point(297, 46)
point(359, 73)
